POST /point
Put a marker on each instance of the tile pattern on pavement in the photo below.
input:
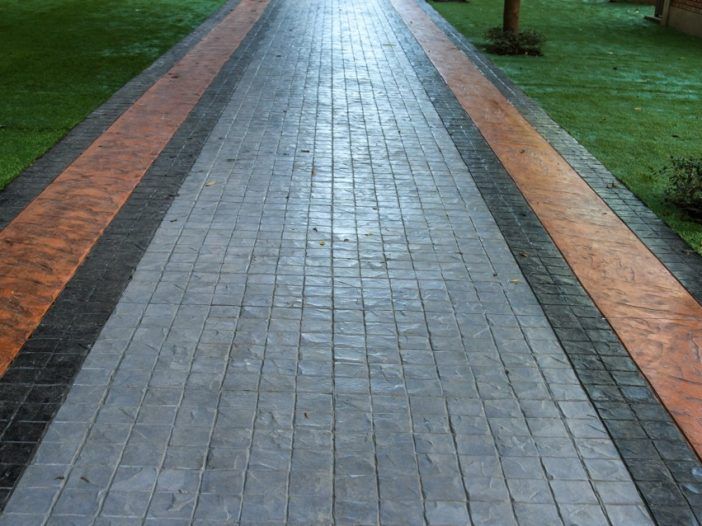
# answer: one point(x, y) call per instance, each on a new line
point(327, 324)
point(666, 471)
point(45, 243)
point(36, 383)
point(22, 190)
point(656, 318)
point(681, 260)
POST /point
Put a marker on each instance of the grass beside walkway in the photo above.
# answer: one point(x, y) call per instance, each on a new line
point(62, 58)
point(628, 90)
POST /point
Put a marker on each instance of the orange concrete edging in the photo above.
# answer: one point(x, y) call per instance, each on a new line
point(658, 321)
point(43, 246)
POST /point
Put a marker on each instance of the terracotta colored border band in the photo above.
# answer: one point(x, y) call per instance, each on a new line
point(658, 321)
point(43, 246)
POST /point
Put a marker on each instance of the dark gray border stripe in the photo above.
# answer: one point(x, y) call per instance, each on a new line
point(35, 385)
point(665, 470)
point(32, 181)
point(678, 257)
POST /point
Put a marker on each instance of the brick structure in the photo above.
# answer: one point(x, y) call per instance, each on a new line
point(685, 15)
point(693, 6)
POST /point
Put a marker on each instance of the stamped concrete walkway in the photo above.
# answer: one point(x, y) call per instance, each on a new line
point(328, 326)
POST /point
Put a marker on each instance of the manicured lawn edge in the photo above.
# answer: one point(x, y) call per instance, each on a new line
point(623, 87)
point(65, 58)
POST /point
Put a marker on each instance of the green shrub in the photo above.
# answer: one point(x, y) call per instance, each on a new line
point(685, 184)
point(508, 43)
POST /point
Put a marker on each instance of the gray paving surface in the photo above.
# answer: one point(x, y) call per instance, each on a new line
point(327, 328)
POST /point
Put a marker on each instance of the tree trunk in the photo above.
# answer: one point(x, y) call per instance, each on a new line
point(510, 19)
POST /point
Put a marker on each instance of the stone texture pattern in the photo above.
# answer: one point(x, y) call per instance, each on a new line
point(328, 327)
point(663, 466)
point(37, 381)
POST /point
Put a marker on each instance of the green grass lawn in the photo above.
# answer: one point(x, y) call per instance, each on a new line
point(627, 89)
point(61, 59)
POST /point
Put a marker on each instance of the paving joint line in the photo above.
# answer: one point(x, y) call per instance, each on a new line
point(36, 376)
point(34, 179)
point(561, 292)
point(384, 356)
point(671, 250)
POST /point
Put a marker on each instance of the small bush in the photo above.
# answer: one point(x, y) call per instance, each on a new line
point(508, 43)
point(685, 184)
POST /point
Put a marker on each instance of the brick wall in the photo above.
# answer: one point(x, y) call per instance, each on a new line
point(694, 6)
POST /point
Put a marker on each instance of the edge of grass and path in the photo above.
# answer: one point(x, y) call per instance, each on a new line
point(627, 89)
point(61, 59)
